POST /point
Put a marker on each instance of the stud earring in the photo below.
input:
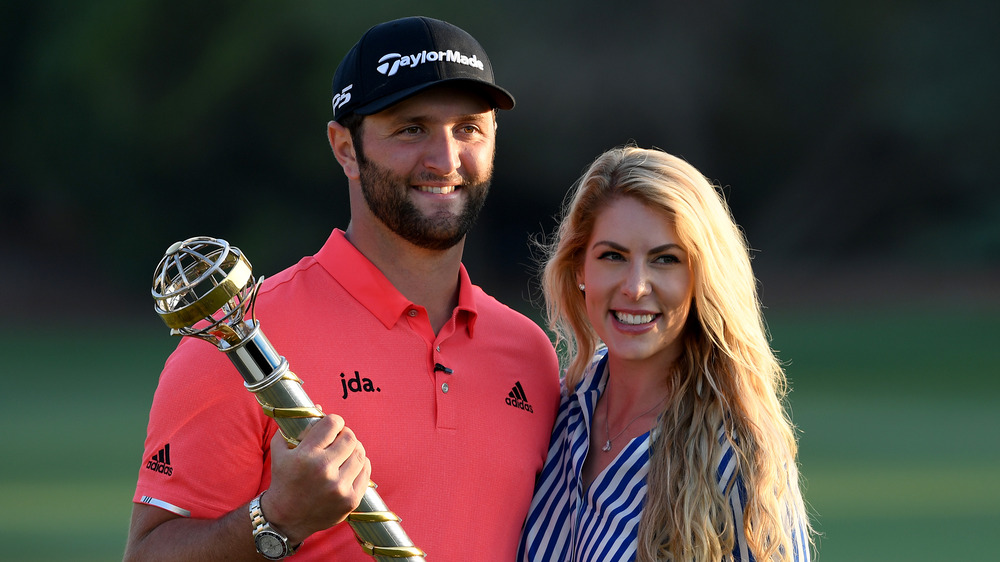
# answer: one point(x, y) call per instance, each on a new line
point(582, 287)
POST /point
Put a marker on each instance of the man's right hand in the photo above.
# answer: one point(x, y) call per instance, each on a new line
point(318, 483)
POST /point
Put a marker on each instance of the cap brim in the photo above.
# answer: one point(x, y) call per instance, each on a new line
point(497, 97)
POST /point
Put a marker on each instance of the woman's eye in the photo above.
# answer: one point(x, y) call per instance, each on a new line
point(610, 256)
point(667, 258)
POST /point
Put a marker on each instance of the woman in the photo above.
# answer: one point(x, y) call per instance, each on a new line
point(671, 441)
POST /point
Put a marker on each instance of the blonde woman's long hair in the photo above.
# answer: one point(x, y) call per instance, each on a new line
point(727, 378)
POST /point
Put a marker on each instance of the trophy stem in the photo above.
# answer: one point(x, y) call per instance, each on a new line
point(280, 394)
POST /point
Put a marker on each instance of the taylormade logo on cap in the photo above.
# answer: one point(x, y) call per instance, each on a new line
point(389, 63)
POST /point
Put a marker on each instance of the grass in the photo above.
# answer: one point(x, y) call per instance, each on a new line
point(897, 412)
point(77, 401)
point(898, 416)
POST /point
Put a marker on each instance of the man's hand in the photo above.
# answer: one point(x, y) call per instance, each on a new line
point(317, 484)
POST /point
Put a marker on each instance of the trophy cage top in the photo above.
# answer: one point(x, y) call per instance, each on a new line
point(200, 277)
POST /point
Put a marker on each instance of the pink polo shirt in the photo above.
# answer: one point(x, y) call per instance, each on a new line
point(453, 454)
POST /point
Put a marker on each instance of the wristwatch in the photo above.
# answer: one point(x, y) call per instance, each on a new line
point(271, 543)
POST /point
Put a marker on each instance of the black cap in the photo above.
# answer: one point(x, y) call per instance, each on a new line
point(397, 59)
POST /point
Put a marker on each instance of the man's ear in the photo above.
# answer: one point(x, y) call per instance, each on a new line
point(343, 148)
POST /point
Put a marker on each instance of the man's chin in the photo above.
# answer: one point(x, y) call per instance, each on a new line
point(439, 242)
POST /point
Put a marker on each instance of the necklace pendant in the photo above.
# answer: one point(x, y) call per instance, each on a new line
point(607, 446)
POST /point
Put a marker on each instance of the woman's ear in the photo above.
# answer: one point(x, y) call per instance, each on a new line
point(343, 148)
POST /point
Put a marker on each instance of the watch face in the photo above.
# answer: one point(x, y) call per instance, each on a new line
point(270, 545)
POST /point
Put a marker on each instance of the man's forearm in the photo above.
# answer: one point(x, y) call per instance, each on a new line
point(156, 535)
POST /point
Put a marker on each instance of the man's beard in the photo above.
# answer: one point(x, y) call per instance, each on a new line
point(387, 195)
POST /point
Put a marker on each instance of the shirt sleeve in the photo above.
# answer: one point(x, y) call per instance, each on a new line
point(207, 448)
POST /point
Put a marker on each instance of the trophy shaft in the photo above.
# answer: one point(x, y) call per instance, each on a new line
point(266, 375)
point(253, 355)
point(280, 393)
point(387, 532)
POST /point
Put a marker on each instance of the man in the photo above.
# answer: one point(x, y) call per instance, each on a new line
point(452, 393)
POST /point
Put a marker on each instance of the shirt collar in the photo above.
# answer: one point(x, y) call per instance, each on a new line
point(595, 376)
point(369, 286)
point(591, 385)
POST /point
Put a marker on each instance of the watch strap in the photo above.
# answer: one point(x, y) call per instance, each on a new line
point(261, 524)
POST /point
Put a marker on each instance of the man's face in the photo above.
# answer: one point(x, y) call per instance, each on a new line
point(426, 165)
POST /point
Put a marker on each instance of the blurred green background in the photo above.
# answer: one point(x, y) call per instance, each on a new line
point(855, 141)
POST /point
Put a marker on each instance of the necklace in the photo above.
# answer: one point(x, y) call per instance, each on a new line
point(607, 428)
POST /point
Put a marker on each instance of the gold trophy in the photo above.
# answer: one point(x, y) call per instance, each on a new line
point(205, 288)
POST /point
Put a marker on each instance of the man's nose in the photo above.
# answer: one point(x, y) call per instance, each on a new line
point(443, 154)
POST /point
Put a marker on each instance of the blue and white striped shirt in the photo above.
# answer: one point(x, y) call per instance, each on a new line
point(566, 523)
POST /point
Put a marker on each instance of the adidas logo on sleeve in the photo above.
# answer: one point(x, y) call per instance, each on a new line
point(517, 398)
point(160, 462)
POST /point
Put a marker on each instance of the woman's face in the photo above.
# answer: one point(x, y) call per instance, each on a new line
point(638, 282)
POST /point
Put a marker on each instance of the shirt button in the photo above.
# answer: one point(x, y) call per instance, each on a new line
point(438, 349)
point(444, 388)
point(412, 313)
